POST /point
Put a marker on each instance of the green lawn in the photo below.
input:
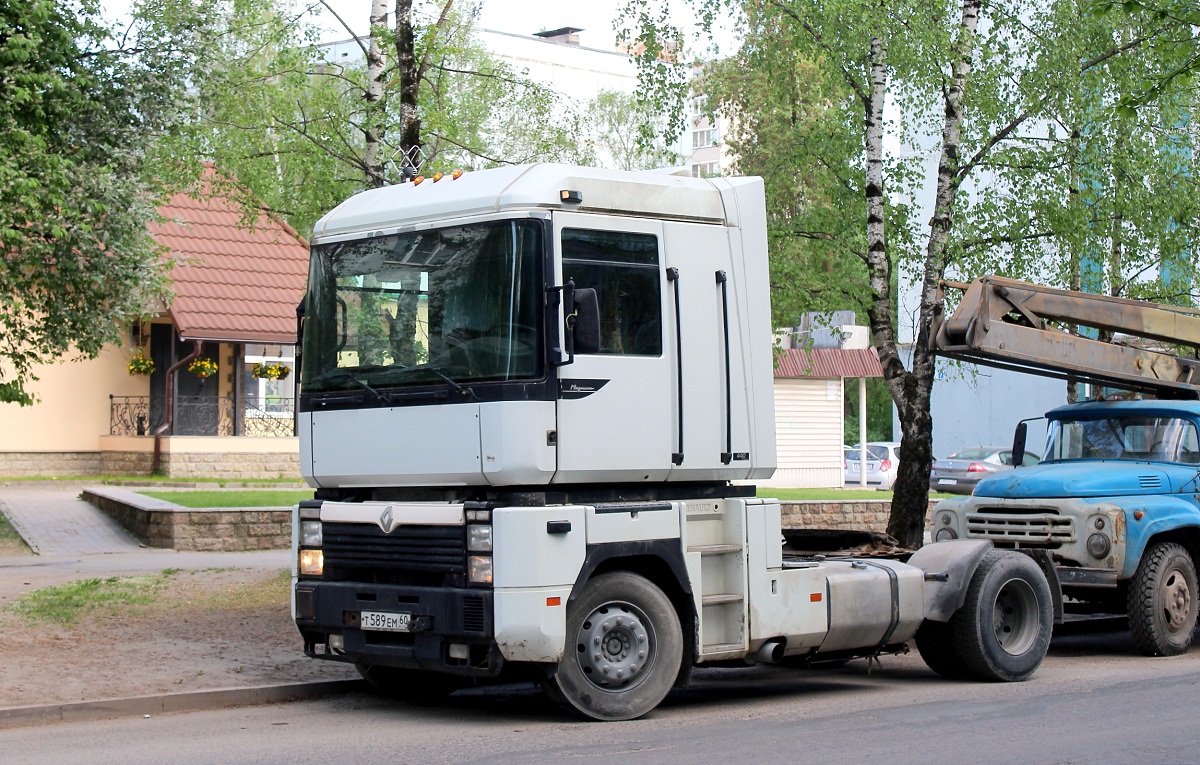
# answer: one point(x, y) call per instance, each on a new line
point(233, 497)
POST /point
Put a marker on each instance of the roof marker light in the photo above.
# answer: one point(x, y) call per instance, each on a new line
point(571, 197)
point(455, 175)
point(437, 177)
point(418, 179)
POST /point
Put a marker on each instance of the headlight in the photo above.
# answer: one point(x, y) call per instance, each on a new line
point(479, 538)
point(1098, 546)
point(312, 562)
point(479, 569)
point(944, 535)
point(310, 533)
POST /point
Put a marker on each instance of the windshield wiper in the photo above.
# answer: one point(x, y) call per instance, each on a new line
point(348, 375)
point(456, 387)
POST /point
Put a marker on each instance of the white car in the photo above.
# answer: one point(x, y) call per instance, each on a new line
point(883, 462)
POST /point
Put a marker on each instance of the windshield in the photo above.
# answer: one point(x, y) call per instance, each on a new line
point(1123, 438)
point(445, 306)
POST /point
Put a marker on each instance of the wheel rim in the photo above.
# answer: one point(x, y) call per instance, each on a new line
point(1015, 617)
point(1176, 601)
point(615, 647)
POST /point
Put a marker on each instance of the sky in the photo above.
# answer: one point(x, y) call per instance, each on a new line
point(595, 17)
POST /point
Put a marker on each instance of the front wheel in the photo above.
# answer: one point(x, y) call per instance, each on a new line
point(1002, 631)
point(624, 649)
point(1162, 600)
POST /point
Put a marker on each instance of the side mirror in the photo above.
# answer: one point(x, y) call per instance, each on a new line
point(587, 321)
point(1018, 448)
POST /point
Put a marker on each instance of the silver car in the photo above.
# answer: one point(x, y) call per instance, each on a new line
point(883, 462)
point(958, 473)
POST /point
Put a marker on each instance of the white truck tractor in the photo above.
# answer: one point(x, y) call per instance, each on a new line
point(531, 397)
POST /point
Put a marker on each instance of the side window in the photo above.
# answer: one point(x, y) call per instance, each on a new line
point(623, 269)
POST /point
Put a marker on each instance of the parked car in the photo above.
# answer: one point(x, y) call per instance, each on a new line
point(959, 472)
point(883, 462)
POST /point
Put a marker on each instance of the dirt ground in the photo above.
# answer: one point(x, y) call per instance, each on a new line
point(196, 630)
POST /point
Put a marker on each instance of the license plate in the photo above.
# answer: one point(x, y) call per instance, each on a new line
point(385, 621)
point(947, 481)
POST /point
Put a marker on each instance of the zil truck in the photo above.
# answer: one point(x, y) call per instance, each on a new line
point(1112, 513)
point(534, 401)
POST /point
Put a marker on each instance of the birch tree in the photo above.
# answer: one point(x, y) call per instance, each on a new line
point(916, 146)
point(298, 131)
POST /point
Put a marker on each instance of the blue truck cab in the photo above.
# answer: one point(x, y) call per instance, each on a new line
point(1112, 513)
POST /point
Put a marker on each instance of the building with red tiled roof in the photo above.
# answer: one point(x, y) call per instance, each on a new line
point(236, 286)
point(810, 391)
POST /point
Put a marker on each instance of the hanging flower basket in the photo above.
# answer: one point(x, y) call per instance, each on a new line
point(264, 371)
point(203, 367)
point(139, 364)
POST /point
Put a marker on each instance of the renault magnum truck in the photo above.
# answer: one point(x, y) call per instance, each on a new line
point(532, 400)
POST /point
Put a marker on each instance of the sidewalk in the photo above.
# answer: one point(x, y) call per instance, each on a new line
point(67, 533)
point(54, 521)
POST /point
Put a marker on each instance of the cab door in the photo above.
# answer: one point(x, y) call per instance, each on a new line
point(616, 410)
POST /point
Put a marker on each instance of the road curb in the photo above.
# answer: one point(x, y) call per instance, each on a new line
point(190, 701)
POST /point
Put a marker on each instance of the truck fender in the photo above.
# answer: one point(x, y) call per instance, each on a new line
point(948, 568)
point(1162, 514)
point(669, 573)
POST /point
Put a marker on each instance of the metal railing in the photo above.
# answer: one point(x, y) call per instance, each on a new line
point(203, 416)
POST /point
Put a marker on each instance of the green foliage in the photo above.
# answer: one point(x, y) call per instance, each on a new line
point(288, 127)
point(64, 604)
point(879, 411)
point(76, 116)
point(617, 123)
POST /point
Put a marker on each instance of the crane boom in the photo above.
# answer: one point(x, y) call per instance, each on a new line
point(1014, 325)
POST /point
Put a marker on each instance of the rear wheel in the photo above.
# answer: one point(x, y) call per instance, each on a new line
point(624, 649)
point(935, 643)
point(1002, 631)
point(1162, 600)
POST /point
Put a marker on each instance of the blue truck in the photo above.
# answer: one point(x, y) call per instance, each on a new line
point(1112, 513)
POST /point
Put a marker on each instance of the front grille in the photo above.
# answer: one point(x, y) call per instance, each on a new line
point(1040, 529)
point(473, 620)
point(418, 555)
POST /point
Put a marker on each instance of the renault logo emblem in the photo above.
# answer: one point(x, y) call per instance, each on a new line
point(385, 520)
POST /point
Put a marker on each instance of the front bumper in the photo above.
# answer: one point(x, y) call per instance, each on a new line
point(441, 617)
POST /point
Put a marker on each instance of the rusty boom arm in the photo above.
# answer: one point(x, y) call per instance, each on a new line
point(1015, 325)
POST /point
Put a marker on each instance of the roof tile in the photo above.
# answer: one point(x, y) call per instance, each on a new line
point(828, 363)
point(230, 282)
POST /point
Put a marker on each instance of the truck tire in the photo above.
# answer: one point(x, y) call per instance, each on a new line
point(1162, 600)
point(936, 645)
point(408, 684)
point(1002, 632)
point(624, 649)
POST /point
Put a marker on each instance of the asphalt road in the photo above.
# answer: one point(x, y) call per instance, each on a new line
point(1093, 701)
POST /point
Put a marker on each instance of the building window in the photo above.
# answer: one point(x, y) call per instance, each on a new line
point(697, 105)
point(704, 137)
point(705, 169)
point(264, 397)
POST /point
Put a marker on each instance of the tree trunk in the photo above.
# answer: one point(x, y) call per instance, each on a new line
point(374, 120)
point(410, 83)
point(911, 390)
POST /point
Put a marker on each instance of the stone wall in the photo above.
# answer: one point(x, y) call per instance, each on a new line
point(163, 524)
point(866, 515)
point(50, 463)
point(232, 466)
